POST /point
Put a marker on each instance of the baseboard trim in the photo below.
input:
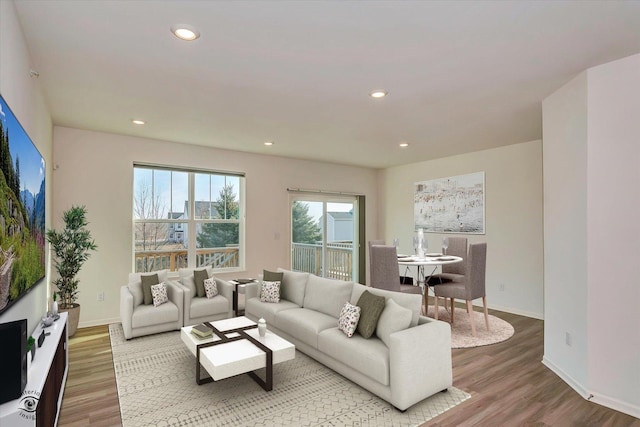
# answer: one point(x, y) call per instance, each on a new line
point(98, 322)
point(511, 310)
point(593, 397)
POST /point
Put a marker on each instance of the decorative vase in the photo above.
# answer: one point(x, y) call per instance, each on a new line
point(33, 352)
point(421, 243)
point(54, 308)
point(262, 327)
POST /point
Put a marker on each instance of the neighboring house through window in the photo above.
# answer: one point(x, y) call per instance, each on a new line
point(187, 218)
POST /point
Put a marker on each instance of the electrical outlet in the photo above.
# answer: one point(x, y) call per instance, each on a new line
point(567, 338)
point(100, 296)
point(502, 287)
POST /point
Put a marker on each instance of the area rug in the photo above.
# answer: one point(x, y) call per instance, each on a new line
point(461, 336)
point(155, 376)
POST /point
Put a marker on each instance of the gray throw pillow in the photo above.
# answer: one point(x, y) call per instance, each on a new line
point(271, 276)
point(147, 282)
point(199, 276)
point(371, 308)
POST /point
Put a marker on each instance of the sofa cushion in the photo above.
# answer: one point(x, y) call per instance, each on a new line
point(147, 282)
point(211, 287)
point(411, 301)
point(187, 279)
point(148, 315)
point(270, 291)
point(267, 310)
point(159, 294)
point(199, 276)
point(369, 357)
point(348, 320)
point(201, 307)
point(371, 306)
point(394, 318)
point(272, 276)
point(305, 324)
point(293, 285)
point(327, 295)
point(135, 284)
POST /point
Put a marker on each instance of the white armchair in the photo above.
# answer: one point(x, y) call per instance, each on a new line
point(139, 319)
point(202, 309)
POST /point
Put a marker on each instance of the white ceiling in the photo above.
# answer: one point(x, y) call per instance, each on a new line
point(461, 76)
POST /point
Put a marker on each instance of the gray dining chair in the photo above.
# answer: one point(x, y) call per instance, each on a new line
point(452, 272)
point(385, 273)
point(472, 287)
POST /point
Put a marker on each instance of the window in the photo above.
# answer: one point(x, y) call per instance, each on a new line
point(187, 218)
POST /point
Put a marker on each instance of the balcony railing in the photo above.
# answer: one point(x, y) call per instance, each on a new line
point(175, 259)
point(338, 259)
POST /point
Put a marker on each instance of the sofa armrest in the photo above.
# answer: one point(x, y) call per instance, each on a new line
point(175, 292)
point(420, 362)
point(126, 311)
point(226, 290)
point(251, 290)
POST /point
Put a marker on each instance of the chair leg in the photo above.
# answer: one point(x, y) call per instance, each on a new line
point(452, 307)
point(486, 312)
point(435, 305)
point(470, 311)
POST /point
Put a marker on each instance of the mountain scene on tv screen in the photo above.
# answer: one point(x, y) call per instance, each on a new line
point(22, 210)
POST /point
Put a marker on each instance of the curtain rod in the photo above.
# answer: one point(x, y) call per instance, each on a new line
point(334, 193)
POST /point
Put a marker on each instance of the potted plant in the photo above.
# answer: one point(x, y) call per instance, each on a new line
point(31, 346)
point(72, 247)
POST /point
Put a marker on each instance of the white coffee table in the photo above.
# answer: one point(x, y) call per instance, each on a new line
point(237, 348)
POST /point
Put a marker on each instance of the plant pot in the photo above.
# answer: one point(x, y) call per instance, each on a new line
point(54, 308)
point(74, 318)
point(33, 352)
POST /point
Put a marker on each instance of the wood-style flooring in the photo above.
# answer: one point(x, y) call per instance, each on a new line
point(508, 383)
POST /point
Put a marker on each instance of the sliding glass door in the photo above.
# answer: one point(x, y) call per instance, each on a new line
point(324, 236)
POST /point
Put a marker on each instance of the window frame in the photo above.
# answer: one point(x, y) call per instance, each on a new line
point(192, 222)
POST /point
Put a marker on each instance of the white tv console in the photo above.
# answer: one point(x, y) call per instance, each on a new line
point(39, 404)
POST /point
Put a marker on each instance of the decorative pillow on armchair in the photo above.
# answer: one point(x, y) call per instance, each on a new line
point(199, 276)
point(270, 291)
point(159, 293)
point(211, 287)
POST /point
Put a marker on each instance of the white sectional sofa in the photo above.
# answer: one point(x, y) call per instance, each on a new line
point(413, 364)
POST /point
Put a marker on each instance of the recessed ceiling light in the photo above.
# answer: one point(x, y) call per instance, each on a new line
point(137, 122)
point(185, 32)
point(378, 94)
point(268, 143)
point(404, 144)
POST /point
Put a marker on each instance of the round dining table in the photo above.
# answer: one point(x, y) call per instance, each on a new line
point(421, 263)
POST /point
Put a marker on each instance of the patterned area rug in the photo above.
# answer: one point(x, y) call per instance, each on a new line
point(461, 336)
point(156, 386)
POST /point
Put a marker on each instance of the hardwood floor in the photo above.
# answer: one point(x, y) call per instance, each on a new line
point(507, 381)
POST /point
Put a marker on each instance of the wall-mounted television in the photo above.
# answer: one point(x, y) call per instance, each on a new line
point(22, 211)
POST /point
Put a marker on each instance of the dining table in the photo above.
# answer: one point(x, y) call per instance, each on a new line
point(430, 261)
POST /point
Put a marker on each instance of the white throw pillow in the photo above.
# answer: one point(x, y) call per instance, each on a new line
point(270, 291)
point(349, 317)
point(394, 318)
point(211, 287)
point(159, 293)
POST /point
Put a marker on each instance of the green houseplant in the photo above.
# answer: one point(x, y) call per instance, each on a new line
point(72, 247)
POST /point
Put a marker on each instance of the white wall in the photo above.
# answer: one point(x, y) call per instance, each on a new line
point(24, 96)
point(513, 217)
point(95, 170)
point(596, 291)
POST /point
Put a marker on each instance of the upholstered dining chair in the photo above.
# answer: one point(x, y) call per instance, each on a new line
point(385, 273)
point(453, 272)
point(472, 287)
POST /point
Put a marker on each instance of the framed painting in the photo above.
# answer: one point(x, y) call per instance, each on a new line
point(450, 205)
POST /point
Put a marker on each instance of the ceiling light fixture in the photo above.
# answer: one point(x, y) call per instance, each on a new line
point(404, 144)
point(268, 143)
point(378, 94)
point(137, 122)
point(185, 32)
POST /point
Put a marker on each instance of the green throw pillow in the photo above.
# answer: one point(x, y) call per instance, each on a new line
point(148, 281)
point(199, 276)
point(371, 308)
point(270, 276)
